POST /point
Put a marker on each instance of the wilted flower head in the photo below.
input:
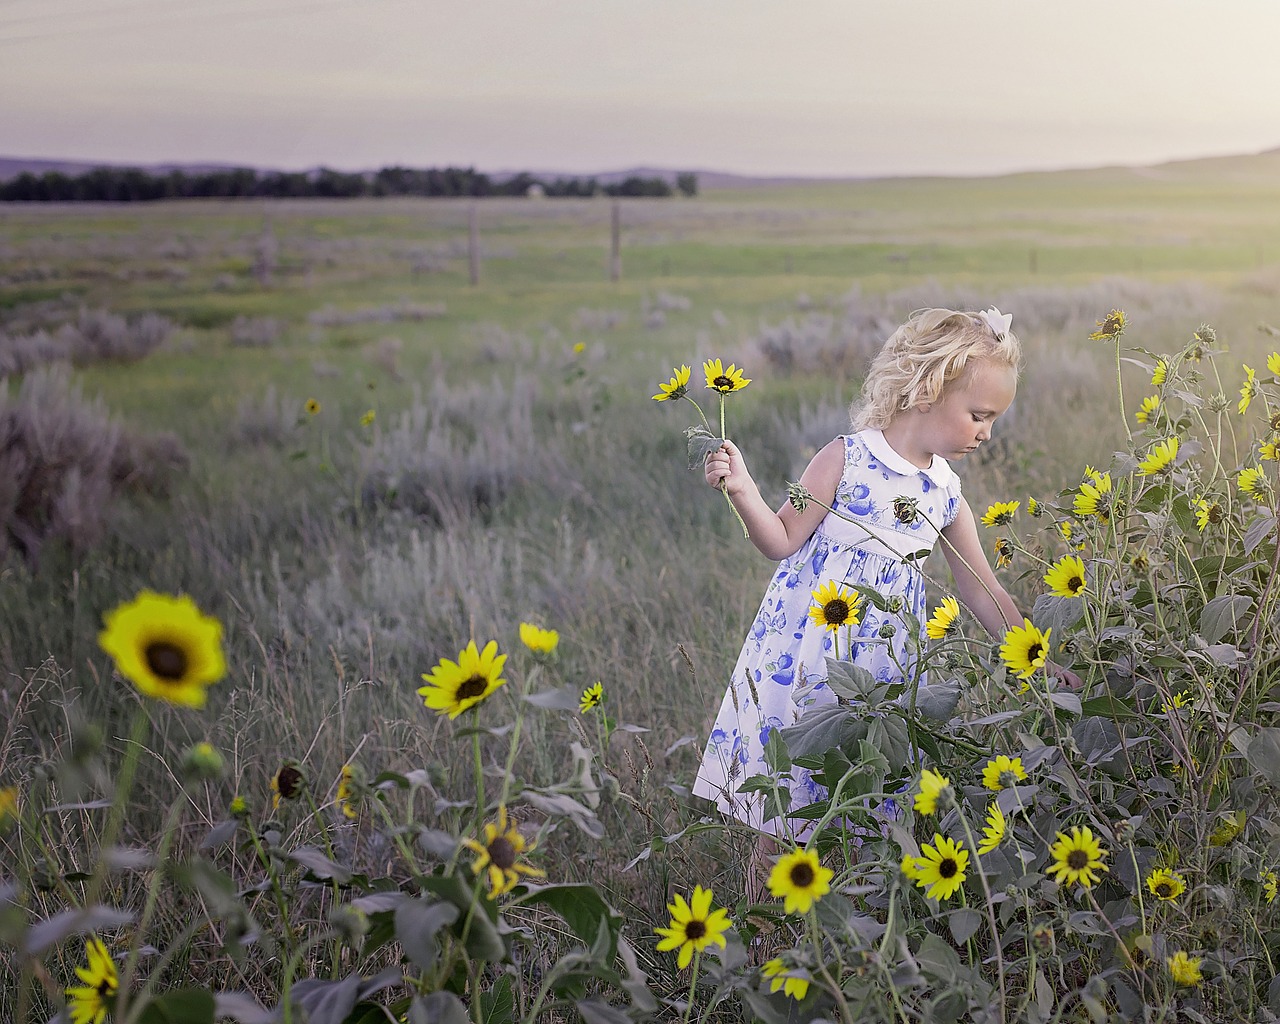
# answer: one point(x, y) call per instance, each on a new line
point(1110, 326)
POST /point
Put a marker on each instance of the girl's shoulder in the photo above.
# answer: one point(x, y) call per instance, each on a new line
point(868, 450)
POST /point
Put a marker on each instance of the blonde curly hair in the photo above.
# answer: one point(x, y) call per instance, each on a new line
point(926, 354)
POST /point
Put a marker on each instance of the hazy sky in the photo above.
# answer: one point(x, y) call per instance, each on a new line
point(815, 87)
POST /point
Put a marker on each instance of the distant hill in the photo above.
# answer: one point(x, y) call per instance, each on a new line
point(1242, 167)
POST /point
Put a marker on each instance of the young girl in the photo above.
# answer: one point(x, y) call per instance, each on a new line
point(932, 394)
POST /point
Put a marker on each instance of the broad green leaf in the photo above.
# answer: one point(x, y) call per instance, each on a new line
point(938, 960)
point(849, 681)
point(66, 923)
point(1107, 706)
point(1224, 614)
point(417, 923)
point(317, 863)
point(566, 698)
point(240, 1007)
point(597, 1011)
point(581, 907)
point(181, 1006)
point(1264, 753)
point(498, 1005)
point(438, 1008)
point(1260, 528)
point(323, 1001)
point(938, 702)
point(477, 917)
point(963, 923)
point(823, 728)
point(701, 444)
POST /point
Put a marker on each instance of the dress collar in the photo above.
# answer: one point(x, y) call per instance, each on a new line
point(940, 473)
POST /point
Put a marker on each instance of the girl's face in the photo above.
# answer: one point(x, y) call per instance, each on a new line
point(962, 418)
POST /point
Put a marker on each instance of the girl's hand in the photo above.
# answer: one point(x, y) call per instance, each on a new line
point(726, 465)
point(1067, 680)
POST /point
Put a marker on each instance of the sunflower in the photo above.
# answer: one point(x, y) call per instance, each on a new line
point(993, 833)
point(722, 380)
point(1065, 577)
point(1269, 451)
point(8, 805)
point(348, 784)
point(1175, 703)
point(592, 697)
point(369, 415)
point(933, 790)
point(1065, 530)
point(1251, 480)
point(1094, 498)
point(674, 388)
point(1035, 508)
point(312, 407)
point(1025, 649)
point(1147, 411)
point(286, 784)
point(579, 347)
point(537, 639)
point(1160, 373)
point(1003, 772)
point(499, 855)
point(793, 982)
point(799, 879)
point(1185, 970)
point(89, 1003)
point(1230, 827)
point(1208, 513)
point(1269, 886)
point(1077, 858)
point(1000, 513)
point(452, 687)
point(835, 606)
point(1160, 457)
point(940, 868)
point(1004, 552)
point(1247, 390)
point(1166, 885)
point(943, 621)
point(1110, 327)
point(165, 646)
point(911, 867)
point(694, 926)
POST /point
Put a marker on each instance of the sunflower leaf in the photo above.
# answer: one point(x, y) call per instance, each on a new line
point(701, 444)
point(182, 1006)
point(417, 924)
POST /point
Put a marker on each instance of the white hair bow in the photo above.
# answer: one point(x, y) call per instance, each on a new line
point(997, 321)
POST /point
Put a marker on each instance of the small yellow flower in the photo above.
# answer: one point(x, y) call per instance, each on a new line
point(89, 1003)
point(453, 687)
point(579, 348)
point(835, 605)
point(1000, 513)
point(348, 783)
point(677, 387)
point(1208, 512)
point(940, 868)
point(1094, 498)
point(722, 380)
point(1065, 577)
point(1147, 411)
point(1166, 885)
point(911, 867)
point(1229, 829)
point(694, 926)
point(993, 833)
point(166, 647)
point(943, 621)
point(800, 880)
point(1247, 390)
point(1160, 457)
point(1185, 970)
point(1176, 702)
point(1077, 858)
point(592, 697)
point(1160, 372)
point(1025, 649)
point(239, 807)
point(499, 855)
point(1252, 480)
point(1110, 327)
point(1003, 772)
point(312, 407)
point(369, 416)
point(537, 639)
point(1004, 552)
point(794, 982)
point(1269, 451)
point(1269, 886)
point(932, 788)
point(1034, 508)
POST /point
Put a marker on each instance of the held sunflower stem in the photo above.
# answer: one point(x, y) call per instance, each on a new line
point(701, 414)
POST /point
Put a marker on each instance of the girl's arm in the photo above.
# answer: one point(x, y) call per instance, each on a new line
point(781, 533)
point(978, 587)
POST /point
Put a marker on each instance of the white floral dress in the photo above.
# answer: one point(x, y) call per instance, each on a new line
point(785, 651)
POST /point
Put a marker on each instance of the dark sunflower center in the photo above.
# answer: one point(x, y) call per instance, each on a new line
point(168, 661)
point(802, 876)
point(473, 687)
point(1215, 514)
point(1034, 652)
point(947, 867)
point(1164, 890)
point(1077, 860)
point(1075, 584)
point(836, 611)
point(288, 782)
point(695, 930)
point(503, 853)
point(723, 384)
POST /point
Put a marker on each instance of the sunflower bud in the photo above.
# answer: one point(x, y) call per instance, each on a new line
point(202, 763)
point(239, 807)
point(799, 496)
point(896, 604)
point(351, 922)
point(1124, 830)
point(1042, 939)
point(887, 631)
point(1218, 403)
point(904, 510)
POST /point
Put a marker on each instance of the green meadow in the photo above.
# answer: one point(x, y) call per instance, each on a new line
point(486, 455)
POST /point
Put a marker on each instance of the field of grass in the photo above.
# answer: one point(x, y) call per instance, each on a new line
point(516, 468)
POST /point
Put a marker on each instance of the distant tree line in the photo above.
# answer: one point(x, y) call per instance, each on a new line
point(131, 185)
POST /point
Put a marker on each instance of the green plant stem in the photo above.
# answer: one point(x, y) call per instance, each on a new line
point(515, 733)
point(479, 766)
point(697, 960)
point(991, 914)
point(277, 892)
point(1124, 418)
point(124, 786)
point(291, 968)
